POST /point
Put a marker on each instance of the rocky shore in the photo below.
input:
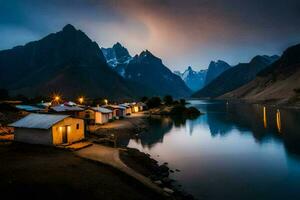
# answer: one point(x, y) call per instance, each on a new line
point(159, 174)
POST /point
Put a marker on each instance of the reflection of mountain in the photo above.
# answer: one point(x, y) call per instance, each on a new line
point(277, 124)
point(158, 128)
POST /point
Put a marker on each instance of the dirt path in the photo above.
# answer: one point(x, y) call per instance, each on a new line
point(39, 172)
point(110, 156)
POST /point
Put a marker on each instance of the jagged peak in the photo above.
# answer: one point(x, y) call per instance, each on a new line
point(118, 44)
point(68, 28)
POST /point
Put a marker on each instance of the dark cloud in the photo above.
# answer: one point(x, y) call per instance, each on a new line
point(190, 32)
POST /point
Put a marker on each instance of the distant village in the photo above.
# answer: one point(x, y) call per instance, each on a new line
point(64, 122)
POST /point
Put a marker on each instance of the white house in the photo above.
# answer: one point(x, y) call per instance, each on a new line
point(48, 129)
point(97, 115)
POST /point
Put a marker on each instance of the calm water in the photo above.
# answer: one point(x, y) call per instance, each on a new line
point(234, 151)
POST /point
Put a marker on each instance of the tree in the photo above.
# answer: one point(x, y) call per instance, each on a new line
point(144, 99)
point(182, 101)
point(153, 102)
point(168, 99)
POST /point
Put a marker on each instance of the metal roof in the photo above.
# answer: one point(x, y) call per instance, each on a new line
point(38, 121)
point(28, 108)
point(101, 109)
point(64, 108)
point(115, 107)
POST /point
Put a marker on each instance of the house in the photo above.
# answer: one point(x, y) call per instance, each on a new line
point(48, 129)
point(118, 111)
point(96, 115)
point(128, 108)
point(141, 106)
point(134, 107)
point(67, 109)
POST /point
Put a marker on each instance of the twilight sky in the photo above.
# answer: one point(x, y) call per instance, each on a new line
point(182, 33)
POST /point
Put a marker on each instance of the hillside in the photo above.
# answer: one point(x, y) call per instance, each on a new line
point(149, 71)
point(215, 69)
point(279, 82)
point(235, 77)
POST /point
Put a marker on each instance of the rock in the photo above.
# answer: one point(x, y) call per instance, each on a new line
point(166, 180)
point(165, 163)
point(163, 168)
point(158, 182)
point(172, 171)
point(177, 170)
point(168, 190)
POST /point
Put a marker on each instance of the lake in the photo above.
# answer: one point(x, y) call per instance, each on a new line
point(233, 151)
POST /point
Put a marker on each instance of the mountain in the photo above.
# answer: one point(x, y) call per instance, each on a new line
point(117, 55)
point(149, 71)
point(215, 69)
point(194, 80)
point(235, 77)
point(279, 82)
point(67, 62)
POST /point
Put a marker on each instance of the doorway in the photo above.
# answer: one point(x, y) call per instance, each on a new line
point(65, 134)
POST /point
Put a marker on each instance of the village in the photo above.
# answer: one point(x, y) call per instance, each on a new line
point(78, 128)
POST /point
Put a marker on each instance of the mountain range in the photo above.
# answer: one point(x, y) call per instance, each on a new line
point(235, 77)
point(279, 82)
point(193, 79)
point(70, 63)
point(146, 70)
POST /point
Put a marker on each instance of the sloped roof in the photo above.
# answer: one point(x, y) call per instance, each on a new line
point(28, 108)
point(64, 108)
point(38, 121)
point(115, 107)
point(101, 109)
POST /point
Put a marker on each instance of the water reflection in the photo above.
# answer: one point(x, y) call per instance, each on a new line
point(223, 118)
point(278, 121)
point(233, 151)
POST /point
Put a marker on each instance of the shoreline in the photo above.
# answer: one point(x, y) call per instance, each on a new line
point(139, 161)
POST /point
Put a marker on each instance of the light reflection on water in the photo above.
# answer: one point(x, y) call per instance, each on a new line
point(234, 151)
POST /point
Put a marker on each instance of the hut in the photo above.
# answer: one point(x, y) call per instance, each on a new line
point(96, 115)
point(141, 106)
point(48, 129)
point(127, 108)
point(118, 111)
point(134, 107)
point(67, 109)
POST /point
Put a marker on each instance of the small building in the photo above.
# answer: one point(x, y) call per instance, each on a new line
point(118, 111)
point(96, 115)
point(134, 107)
point(67, 109)
point(142, 106)
point(48, 129)
point(128, 108)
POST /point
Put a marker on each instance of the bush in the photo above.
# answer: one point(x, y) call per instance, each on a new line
point(297, 90)
point(168, 99)
point(182, 101)
point(144, 99)
point(153, 102)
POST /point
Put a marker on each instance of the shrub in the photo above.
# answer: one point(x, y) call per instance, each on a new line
point(168, 99)
point(153, 102)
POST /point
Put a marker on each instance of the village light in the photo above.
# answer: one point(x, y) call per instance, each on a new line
point(56, 98)
point(81, 99)
point(105, 101)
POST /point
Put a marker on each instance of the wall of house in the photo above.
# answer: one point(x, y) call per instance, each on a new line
point(74, 134)
point(33, 136)
point(83, 114)
point(98, 118)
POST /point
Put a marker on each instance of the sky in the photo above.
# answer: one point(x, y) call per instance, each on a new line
point(181, 32)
